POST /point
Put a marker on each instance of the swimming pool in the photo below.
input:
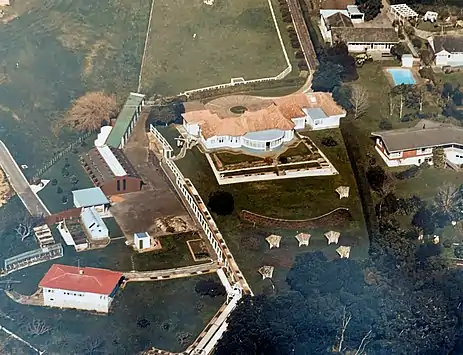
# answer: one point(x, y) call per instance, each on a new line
point(401, 76)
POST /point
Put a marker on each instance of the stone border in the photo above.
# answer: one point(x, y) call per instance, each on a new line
point(335, 217)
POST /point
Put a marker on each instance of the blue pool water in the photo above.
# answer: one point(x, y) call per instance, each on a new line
point(401, 76)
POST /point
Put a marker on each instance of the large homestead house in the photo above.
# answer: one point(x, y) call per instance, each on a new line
point(414, 146)
point(110, 170)
point(265, 127)
point(448, 50)
point(366, 39)
point(85, 288)
point(336, 18)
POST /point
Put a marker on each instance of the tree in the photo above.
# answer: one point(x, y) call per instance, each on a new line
point(449, 200)
point(90, 111)
point(376, 177)
point(221, 202)
point(398, 50)
point(423, 219)
point(426, 57)
point(359, 100)
point(438, 157)
point(25, 225)
point(326, 77)
point(210, 288)
point(371, 8)
point(341, 94)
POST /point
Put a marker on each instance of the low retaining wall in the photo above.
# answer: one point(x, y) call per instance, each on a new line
point(333, 218)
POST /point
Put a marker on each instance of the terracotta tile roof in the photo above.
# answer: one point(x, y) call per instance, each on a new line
point(87, 279)
point(277, 115)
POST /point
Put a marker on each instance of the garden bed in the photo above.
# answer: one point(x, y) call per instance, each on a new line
point(198, 250)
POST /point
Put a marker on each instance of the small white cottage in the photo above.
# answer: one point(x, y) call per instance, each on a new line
point(448, 50)
point(142, 241)
point(85, 288)
point(93, 224)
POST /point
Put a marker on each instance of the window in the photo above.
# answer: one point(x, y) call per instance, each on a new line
point(317, 122)
point(124, 185)
point(220, 140)
point(118, 185)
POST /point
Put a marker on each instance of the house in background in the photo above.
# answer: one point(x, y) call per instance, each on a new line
point(265, 128)
point(93, 224)
point(448, 50)
point(366, 39)
point(126, 120)
point(110, 170)
point(414, 146)
point(332, 18)
point(92, 197)
point(4, 2)
point(85, 288)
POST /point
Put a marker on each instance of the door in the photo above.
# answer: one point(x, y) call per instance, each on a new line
point(267, 145)
point(140, 244)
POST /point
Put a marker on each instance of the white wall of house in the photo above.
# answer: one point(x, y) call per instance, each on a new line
point(299, 123)
point(369, 47)
point(222, 142)
point(444, 58)
point(191, 128)
point(78, 300)
point(454, 155)
point(324, 123)
point(326, 33)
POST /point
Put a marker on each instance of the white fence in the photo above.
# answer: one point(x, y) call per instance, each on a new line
point(232, 82)
point(199, 209)
point(32, 257)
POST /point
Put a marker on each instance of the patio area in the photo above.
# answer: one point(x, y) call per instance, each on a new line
point(298, 158)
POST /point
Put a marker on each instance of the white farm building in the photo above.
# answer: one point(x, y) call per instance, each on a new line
point(265, 127)
point(448, 50)
point(86, 288)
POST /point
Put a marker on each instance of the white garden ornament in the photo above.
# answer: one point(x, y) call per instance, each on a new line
point(343, 191)
point(266, 271)
point(332, 236)
point(344, 252)
point(303, 238)
point(273, 240)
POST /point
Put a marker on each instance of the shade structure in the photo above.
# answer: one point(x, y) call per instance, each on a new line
point(303, 238)
point(273, 240)
point(332, 236)
point(343, 252)
point(343, 191)
point(266, 271)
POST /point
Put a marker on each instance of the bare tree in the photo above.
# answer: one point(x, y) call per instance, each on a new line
point(363, 343)
point(359, 100)
point(449, 199)
point(88, 112)
point(345, 322)
point(25, 225)
point(92, 345)
point(37, 327)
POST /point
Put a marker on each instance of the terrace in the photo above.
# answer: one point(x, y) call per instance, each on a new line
point(299, 158)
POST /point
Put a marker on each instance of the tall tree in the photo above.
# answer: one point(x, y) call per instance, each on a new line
point(90, 111)
point(359, 100)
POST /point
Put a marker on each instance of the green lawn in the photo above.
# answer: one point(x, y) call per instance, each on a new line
point(66, 171)
point(287, 198)
point(231, 158)
point(233, 39)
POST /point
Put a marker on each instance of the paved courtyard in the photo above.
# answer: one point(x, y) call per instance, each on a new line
point(156, 208)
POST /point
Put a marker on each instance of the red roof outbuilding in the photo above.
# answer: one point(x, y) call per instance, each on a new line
point(87, 279)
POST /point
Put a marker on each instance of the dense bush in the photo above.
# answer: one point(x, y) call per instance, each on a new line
point(458, 251)
point(385, 124)
point(210, 288)
point(54, 182)
point(417, 43)
point(221, 202)
point(329, 141)
point(408, 174)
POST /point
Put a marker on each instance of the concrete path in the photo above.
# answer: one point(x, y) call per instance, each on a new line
point(18, 181)
point(167, 274)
